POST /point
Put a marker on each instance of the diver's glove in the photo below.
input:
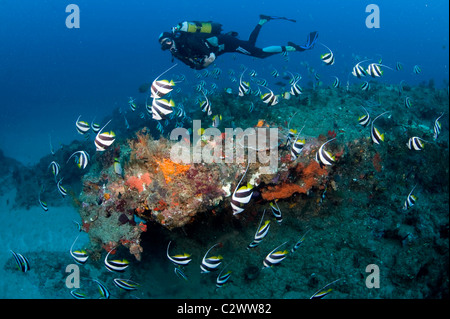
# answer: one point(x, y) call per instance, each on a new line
point(209, 59)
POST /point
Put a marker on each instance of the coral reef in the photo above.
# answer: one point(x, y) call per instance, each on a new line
point(353, 207)
point(153, 188)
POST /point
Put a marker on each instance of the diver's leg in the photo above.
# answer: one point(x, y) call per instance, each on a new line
point(279, 49)
point(292, 47)
point(255, 32)
point(233, 44)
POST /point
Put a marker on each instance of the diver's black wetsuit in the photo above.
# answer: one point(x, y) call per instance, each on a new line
point(233, 44)
point(192, 48)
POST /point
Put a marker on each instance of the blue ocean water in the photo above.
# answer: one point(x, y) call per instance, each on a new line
point(52, 74)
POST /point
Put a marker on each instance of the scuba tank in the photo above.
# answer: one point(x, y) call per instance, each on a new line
point(207, 27)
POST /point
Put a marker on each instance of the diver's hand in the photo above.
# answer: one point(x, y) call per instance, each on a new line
point(209, 59)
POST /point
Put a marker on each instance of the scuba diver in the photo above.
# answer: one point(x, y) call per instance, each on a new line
point(198, 44)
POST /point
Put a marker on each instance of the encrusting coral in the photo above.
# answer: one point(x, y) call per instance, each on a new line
point(153, 188)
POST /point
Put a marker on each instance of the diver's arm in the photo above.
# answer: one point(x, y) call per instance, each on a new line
point(192, 63)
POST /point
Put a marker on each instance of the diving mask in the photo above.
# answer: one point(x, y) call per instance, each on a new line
point(166, 44)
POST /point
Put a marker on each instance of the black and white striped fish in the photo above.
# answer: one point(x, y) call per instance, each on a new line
point(221, 280)
point(180, 273)
point(358, 70)
point(294, 78)
point(336, 82)
point(42, 204)
point(244, 87)
point(79, 227)
point(206, 105)
point(241, 195)
point(290, 136)
point(297, 148)
point(22, 262)
point(132, 103)
point(321, 293)
point(374, 70)
point(77, 294)
point(275, 73)
point(205, 73)
point(256, 92)
point(161, 108)
point(61, 189)
point(80, 256)
point(269, 98)
point(364, 120)
point(180, 111)
point(160, 88)
point(160, 128)
point(126, 284)
point(295, 90)
point(324, 157)
point(179, 260)
point(104, 140)
point(210, 263)
point(216, 71)
point(416, 143)
point(408, 102)
point(82, 160)
point(262, 82)
point(410, 200)
point(276, 211)
point(104, 292)
point(116, 265)
point(285, 55)
point(275, 257)
point(437, 127)
point(82, 126)
point(299, 242)
point(365, 86)
point(95, 127)
point(327, 58)
point(251, 107)
point(261, 232)
point(374, 133)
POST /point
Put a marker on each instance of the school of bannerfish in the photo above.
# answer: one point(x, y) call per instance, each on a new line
point(162, 109)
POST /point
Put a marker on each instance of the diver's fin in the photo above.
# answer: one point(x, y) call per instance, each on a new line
point(263, 16)
point(310, 41)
